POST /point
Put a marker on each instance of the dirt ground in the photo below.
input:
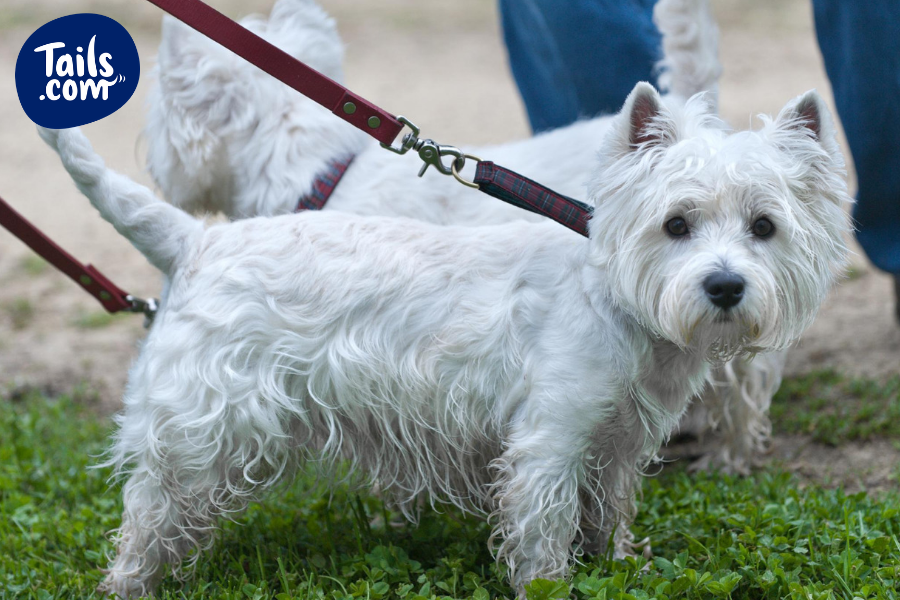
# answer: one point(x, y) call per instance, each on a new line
point(441, 64)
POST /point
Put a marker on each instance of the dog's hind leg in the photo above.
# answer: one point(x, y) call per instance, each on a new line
point(162, 521)
point(178, 486)
point(190, 459)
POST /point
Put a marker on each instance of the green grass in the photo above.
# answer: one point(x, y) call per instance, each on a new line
point(834, 409)
point(713, 536)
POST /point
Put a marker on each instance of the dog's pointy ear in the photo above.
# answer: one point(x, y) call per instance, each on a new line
point(803, 118)
point(809, 115)
point(644, 121)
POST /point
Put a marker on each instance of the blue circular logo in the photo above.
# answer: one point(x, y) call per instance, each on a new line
point(76, 70)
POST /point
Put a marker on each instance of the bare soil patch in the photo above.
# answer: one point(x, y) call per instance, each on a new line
point(873, 466)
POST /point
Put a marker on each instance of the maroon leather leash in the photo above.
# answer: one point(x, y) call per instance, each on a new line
point(88, 277)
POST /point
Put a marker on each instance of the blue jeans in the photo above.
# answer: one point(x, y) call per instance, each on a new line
point(580, 58)
point(860, 42)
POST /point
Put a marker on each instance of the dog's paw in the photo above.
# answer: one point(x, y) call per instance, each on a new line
point(723, 462)
point(628, 547)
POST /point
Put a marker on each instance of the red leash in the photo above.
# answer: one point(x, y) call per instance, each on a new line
point(93, 281)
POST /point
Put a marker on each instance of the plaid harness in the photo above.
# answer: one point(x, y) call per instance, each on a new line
point(324, 185)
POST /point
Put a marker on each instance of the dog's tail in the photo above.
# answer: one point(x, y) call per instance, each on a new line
point(160, 231)
point(690, 63)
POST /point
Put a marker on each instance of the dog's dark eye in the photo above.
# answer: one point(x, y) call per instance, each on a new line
point(763, 228)
point(677, 227)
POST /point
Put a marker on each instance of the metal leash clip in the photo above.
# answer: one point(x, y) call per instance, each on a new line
point(432, 153)
point(147, 307)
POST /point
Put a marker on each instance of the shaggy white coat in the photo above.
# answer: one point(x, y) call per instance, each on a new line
point(514, 370)
point(224, 136)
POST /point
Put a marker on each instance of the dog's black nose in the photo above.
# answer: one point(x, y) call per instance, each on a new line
point(724, 289)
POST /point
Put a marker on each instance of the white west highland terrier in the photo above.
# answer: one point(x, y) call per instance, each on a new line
point(516, 370)
point(226, 137)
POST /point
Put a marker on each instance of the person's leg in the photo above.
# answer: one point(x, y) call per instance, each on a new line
point(578, 58)
point(860, 42)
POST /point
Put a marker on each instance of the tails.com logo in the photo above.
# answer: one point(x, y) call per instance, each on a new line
point(76, 70)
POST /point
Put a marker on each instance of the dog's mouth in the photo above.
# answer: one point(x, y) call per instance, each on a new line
point(727, 333)
point(724, 316)
point(749, 329)
point(730, 328)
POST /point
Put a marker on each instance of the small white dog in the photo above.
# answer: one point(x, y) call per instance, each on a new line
point(224, 136)
point(516, 370)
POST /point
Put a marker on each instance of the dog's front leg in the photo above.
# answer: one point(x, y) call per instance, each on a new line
point(536, 501)
point(737, 404)
point(599, 521)
point(611, 484)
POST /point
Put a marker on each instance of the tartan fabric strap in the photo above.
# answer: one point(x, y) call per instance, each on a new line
point(509, 186)
point(324, 185)
point(357, 111)
point(93, 281)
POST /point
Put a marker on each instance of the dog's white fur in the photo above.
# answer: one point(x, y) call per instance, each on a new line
point(516, 370)
point(226, 137)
